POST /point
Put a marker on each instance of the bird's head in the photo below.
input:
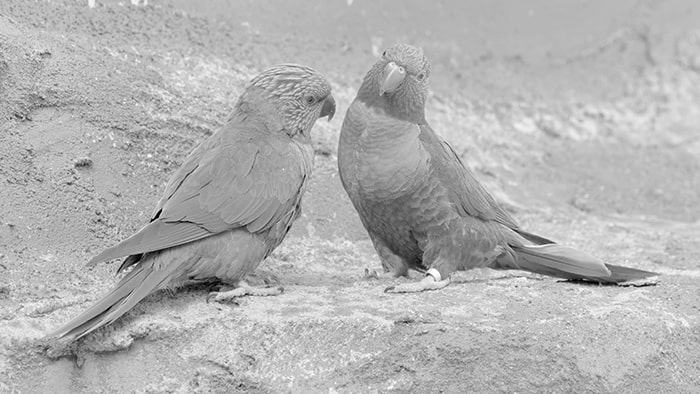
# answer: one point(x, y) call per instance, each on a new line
point(296, 95)
point(398, 81)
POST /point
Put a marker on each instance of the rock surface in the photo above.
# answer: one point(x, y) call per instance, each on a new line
point(582, 119)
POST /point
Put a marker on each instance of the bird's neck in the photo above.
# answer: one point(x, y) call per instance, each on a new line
point(406, 104)
point(378, 135)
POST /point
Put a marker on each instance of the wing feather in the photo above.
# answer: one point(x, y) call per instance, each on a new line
point(156, 235)
point(232, 180)
point(466, 191)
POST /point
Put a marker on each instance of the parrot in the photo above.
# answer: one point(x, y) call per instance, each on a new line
point(229, 205)
point(422, 208)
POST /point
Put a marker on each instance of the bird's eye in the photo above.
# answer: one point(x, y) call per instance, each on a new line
point(310, 100)
point(384, 54)
point(420, 76)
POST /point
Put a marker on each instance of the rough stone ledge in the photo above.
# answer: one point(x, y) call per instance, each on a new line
point(488, 333)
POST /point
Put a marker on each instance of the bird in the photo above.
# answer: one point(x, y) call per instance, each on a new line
point(229, 205)
point(422, 208)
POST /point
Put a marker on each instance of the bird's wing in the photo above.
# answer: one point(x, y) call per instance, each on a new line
point(470, 197)
point(229, 182)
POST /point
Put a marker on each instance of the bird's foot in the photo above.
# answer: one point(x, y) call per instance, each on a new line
point(427, 283)
point(370, 274)
point(244, 289)
point(384, 273)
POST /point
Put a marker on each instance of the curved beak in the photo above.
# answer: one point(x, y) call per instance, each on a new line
point(393, 76)
point(328, 108)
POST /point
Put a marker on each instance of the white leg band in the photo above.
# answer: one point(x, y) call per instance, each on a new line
point(435, 274)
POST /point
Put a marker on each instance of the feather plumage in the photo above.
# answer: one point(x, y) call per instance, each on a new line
point(230, 203)
point(422, 207)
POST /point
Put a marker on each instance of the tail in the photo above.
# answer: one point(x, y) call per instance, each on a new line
point(568, 263)
point(135, 286)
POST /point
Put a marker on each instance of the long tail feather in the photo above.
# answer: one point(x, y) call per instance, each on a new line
point(568, 263)
point(534, 238)
point(627, 274)
point(135, 286)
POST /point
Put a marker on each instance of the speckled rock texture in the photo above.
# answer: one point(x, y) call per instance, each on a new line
point(583, 119)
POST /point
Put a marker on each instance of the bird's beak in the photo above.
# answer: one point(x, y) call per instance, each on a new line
point(328, 108)
point(393, 76)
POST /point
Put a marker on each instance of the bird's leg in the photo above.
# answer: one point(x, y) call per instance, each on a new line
point(432, 281)
point(390, 261)
point(244, 289)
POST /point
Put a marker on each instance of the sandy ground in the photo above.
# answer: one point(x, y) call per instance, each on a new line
point(581, 118)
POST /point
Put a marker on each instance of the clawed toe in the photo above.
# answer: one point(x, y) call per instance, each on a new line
point(244, 289)
point(265, 291)
point(224, 296)
point(427, 283)
point(371, 274)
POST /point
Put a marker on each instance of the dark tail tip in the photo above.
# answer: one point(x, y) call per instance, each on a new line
point(620, 274)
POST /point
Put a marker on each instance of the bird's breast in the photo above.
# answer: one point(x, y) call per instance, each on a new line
point(392, 172)
point(384, 159)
